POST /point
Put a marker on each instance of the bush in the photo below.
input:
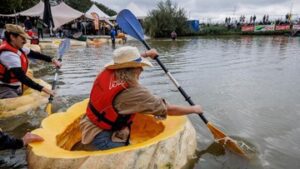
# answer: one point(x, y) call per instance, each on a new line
point(165, 19)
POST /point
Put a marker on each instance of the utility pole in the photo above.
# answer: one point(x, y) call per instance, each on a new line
point(234, 10)
point(291, 9)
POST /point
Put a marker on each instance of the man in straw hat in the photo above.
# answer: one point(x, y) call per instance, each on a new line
point(14, 63)
point(117, 96)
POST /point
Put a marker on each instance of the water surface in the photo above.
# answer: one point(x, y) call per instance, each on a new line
point(248, 86)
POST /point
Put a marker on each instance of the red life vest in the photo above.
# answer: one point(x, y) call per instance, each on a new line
point(100, 109)
point(5, 75)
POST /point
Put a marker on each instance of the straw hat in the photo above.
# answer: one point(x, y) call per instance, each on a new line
point(16, 29)
point(127, 57)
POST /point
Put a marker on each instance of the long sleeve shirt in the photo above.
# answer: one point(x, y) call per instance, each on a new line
point(13, 63)
point(7, 142)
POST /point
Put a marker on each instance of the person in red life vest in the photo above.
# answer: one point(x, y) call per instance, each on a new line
point(116, 97)
point(14, 63)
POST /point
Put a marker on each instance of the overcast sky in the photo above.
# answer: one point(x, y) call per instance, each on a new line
point(218, 9)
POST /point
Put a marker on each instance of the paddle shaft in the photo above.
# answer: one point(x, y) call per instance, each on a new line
point(55, 79)
point(184, 94)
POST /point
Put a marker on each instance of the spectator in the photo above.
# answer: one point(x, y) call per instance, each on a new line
point(79, 26)
point(40, 26)
point(113, 35)
point(174, 35)
point(28, 23)
point(254, 18)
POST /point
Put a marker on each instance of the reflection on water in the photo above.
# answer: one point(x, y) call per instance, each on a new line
point(248, 86)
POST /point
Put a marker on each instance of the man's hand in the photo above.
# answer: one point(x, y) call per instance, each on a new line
point(48, 91)
point(56, 63)
point(152, 53)
point(29, 138)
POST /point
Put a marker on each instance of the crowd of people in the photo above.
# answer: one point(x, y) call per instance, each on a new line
point(231, 22)
point(36, 28)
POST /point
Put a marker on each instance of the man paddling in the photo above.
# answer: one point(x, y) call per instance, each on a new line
point(117, 96)
point(14, 63)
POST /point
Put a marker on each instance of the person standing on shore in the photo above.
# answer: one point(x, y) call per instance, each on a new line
point(173, 35)
point(113, 35)
point(39, 26)
point(28, 23)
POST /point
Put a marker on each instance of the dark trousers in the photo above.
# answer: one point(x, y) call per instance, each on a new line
point(9, 92)
point(40, 33)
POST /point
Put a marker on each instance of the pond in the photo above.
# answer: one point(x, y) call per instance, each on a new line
point(249, 87)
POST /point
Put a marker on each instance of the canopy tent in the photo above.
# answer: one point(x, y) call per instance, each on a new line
point(36, 10)
point(61, 13)
point(100, 14)
point(95, 9)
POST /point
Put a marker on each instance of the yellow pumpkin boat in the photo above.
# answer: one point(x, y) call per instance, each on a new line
point(54, 43)
point(170, 143)
point(95, 42)
point(14, 111)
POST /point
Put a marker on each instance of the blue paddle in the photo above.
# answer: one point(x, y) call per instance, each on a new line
point(131, 26)
point(63, 47)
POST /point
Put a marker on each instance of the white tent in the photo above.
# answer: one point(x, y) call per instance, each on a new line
point(61, 13)
point(95, 9)
point(36, 10)
point(102, 16)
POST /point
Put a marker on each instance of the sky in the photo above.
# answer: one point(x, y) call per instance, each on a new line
point(217, 10)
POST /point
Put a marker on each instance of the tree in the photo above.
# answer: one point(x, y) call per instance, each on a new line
point(12, 6)
point(165, 19)
point(80, 5)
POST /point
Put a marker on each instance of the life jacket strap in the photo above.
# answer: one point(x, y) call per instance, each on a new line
point(100, 116)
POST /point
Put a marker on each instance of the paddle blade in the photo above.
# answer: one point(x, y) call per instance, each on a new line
point(63, 47)
point(226, 141)
point(130, 24)
point(49, 108)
